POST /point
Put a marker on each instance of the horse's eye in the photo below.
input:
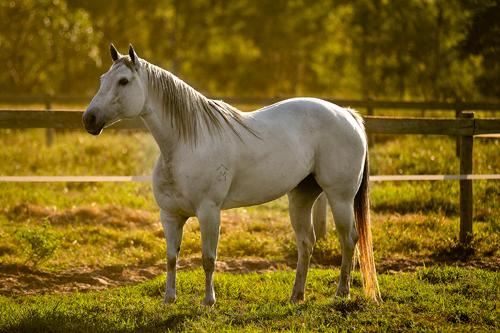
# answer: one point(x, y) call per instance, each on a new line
point(123, 82)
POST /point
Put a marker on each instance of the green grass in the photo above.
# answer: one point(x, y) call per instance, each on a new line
point(442, 299)
point(413, 155)
point(133, 153)
point(117, 224)
point(105, 226)
point(101, 237)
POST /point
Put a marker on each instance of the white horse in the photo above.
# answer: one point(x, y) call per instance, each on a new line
point(215, 157)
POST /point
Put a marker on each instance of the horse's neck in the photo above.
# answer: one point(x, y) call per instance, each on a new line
point(159, 125)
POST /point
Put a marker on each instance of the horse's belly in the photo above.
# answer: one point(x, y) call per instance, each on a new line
point(268, 178)
point(259, 192)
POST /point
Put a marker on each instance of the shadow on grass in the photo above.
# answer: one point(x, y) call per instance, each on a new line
point(454, 251)
point(61, 321)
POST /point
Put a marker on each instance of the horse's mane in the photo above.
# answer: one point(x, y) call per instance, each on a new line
point(188, 109)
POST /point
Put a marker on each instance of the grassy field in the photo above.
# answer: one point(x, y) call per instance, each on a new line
point(435, 299)
point(69, 236)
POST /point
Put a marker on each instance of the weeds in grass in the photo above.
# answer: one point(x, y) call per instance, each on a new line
point(40, 243)
point(436, 275)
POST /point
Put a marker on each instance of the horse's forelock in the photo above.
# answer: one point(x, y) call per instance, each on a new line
point(124, 60)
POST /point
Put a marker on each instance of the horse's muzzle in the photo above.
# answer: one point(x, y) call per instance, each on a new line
point(92, 122)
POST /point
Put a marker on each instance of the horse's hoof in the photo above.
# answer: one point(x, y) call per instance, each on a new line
point(297, 298)
point(169, 299)
point(209, 302)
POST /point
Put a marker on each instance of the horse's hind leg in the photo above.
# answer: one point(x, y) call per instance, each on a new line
point(319, 217)
point(343, 216)
point(301, 199)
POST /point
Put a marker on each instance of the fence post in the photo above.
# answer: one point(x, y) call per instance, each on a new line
point(370, 112)
point(49, 132)
point(466, 202)
point(458, 115)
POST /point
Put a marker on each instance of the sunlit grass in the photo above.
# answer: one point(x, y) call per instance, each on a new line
point(106, 225)
point(442, 299)
point(119, 238)
point(416, 220)
point(76, 153)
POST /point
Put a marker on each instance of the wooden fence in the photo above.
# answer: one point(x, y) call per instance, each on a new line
point(370, 105)
point(465, 127)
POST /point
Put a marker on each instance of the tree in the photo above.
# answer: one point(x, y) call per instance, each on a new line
point(482, 41)
point(406, 49)
point(45, 47)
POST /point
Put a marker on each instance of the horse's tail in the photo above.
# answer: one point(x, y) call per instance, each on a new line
point(366, 259)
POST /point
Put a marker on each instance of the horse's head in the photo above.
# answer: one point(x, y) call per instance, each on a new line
point(121, 94)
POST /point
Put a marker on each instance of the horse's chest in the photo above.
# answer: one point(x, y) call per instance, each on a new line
point(166, 188)
point(179, 186)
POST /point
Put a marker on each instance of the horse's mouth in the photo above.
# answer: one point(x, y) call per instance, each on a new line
point(95, 131)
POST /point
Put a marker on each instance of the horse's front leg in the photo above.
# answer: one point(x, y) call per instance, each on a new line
point(172, 228)
point(209, 218)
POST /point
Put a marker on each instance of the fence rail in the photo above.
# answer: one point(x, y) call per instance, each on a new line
point(144, 179)
point(62, 119)
point(465, 127)
point(355, 103)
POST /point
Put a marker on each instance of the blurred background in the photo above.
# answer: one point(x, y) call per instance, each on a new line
point(57, 238)
point(402, 49)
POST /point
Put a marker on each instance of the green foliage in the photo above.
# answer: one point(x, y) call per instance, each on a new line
point(46, 46)
point(482, 40)
point(39, 243)
point(388, 49)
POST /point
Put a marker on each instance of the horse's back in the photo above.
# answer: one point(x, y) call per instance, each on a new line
point(335, 134)
point(312, 118)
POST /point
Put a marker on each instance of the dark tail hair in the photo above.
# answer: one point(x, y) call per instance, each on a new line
point(363, 226)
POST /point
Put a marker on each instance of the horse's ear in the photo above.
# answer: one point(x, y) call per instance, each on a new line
point(114, 53)
point(132, 54)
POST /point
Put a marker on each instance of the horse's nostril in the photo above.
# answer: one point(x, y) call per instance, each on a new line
point(91, 118)
point(92, 122)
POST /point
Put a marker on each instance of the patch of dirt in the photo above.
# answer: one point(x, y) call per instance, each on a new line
point(17, 279)
point(23, 280)
point(111, 216)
